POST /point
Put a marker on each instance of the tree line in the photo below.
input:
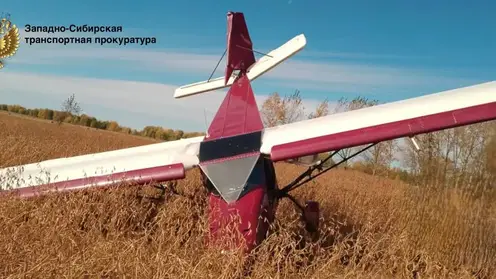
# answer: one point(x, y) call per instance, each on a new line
point(70, 114)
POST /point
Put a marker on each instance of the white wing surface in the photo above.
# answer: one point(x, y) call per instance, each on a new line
point(156, 162)
point(409, 117)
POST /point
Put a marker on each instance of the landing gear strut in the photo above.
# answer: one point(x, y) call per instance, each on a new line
point(311, 211)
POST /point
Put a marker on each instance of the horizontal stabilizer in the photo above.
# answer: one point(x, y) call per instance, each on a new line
point(263, 65)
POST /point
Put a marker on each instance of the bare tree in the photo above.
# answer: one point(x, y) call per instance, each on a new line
point(69, 107)
point(278, 111)
point(454, 157)
point(321, 110)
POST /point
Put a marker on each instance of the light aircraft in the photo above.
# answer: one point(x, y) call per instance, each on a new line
point(236, 157)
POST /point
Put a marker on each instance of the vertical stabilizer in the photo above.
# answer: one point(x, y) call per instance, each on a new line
point(239, 46)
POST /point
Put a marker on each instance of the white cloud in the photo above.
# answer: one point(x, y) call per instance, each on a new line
point(302, 74)
point(136, 99)
point(133, 97)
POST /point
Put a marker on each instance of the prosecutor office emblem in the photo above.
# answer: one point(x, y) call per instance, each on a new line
point(9, 38)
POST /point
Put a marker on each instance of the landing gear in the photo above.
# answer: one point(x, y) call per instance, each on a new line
point(311, 215)
point(311, 210)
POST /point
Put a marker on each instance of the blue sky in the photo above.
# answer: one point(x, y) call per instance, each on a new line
point(386, 50)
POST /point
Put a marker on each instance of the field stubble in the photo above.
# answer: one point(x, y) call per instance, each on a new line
point(371, 227)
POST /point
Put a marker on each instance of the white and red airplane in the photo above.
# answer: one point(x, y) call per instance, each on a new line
point(236, 156)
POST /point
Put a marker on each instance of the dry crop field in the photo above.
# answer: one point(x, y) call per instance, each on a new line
point(371, 227)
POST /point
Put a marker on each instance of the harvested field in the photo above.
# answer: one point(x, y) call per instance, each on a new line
point(372, 227)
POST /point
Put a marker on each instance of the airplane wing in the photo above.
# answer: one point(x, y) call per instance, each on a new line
point(264, 64)
point(143, 164)
point(389, 121)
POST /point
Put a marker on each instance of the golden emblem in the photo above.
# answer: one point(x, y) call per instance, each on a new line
point(9, 39)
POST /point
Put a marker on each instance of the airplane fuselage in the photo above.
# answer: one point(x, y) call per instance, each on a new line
point(246, 220)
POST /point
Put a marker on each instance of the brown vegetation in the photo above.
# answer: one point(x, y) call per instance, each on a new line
point(70, 113)
point(372, 227)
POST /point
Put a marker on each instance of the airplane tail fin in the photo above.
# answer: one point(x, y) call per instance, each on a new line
point(239, 51)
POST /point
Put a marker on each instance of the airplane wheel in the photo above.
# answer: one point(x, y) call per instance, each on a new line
point(311, 216)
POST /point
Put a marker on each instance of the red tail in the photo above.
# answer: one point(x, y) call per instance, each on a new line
point(230, 154)
point(239, 46)
point(238, 113)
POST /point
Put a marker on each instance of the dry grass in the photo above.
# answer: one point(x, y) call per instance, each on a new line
point(372, 227)
point(25, 140)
